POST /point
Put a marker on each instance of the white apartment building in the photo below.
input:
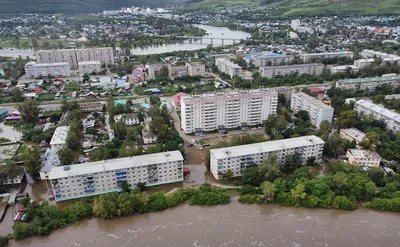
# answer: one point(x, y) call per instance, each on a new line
point(285, 90)
point(386, 58)
point(59, 137)
point(307, 56)
point(89, 67)
point(363, 157)
point(94, 178)
point(295, 24)
point(391, 118)
point(369, 83)
point(34, 70)
point(361, 63)
point(228, 67)
point(310, 69)
point(74, 56)
point(316, 109)
point(268, 59)
point(129, 118)
point(222, 111)
point(352, 134)
point(344, 68)
point(194, 69)
point(239, 158)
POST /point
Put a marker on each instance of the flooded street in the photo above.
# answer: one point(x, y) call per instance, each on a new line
point(234, 224)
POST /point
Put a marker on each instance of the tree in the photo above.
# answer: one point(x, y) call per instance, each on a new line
point(29, 110)
point(141, 115)
point(31, 158)
point(335, 146)
point(164, 71)
point(268, 190)
point(17, 95)
point(65, 155)
point(292, 162)
point(324, 130)
point(120, 130)
point(73, 140)
point(303, 115)
point(370, 140)
point(347, 119)
point(252, 176)
point(298, 194)
point(377, 175)
point(229, 174)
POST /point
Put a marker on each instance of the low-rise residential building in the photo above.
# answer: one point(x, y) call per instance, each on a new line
point(307, 56)
point(268, 59)
point(391, 118)
point(392, 97)
point(129, 118)
point(369, 83)
point(89, 67)
point(196, 69)
point(222, 111)
point(344, 69)
point(352, 134)
point(239, 158)
point(34, 70)
point(317, 110)
point(386, 58)
point(361, 157)
point(59, 137)
point(16, 180)
point(91, 106)
point(310, 69)
point(228, 67)
point(361, 63)
point(148, 136)
point(50, 159)
point(94, 178)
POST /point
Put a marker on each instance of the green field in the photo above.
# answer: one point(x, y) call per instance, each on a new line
point(209, 4)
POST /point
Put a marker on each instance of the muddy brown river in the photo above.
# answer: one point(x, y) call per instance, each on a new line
point(234, 224)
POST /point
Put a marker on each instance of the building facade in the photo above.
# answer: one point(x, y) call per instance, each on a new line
point(310, 69)
point(352, 134)
point(128, 118)
point(209, 112)
point(239, 158)
point(307, 56)
point(391, 118)
point(34, 70)
point(386, 58)
point(369, 83)
point(366, 158)
point(91, 106)
point(59, 137)
point(268, 59)
point(89, 67)
point(344, 69)
point(196, 69)
point(361, 63)
point(316, 109)
point(94, 178)
point(228, 67)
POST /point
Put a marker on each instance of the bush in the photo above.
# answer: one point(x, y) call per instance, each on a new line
point(3, 241)
point(392, 205)
point(249, 190)
point(251, 199)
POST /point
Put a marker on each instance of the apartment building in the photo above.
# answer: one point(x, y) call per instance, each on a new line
point(34, 70)
point(222, 111)
point(344, 69)
point(391, 118)
point(316, 109)
point(91, 106)
point(361, 63)
point(94, 178)
point(239, 158)
point(369, 83)
point(59, 137)
point(89, 67)
point(196, 69)
point(228, 67)
point(310, 69)
point(129, 118)
point(352, 134)
point(74, 56)
point(268, 59)
point(286, 91)
point(366, 158)
point(386, 58)
point(307, 56)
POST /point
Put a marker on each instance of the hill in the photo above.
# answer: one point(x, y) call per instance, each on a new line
point(76, 6)
point(289, 8)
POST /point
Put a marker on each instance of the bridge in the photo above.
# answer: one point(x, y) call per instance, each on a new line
point(191, 38)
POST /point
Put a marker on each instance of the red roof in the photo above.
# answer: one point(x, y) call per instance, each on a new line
point(317, 90)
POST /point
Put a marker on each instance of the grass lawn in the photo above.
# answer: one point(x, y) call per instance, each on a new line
point(72, 86)
point(44, 97)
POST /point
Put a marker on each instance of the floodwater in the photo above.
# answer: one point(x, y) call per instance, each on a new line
point(216, 32)
point(233, 224)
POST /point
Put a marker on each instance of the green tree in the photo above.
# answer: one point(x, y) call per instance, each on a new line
point(377, 175)
point(29, 110)
point(292, 162)
point(268, 190)
point(229, 174)
point(73, 140)
point(164, 72)
point(298, 194)
point(335, 146)
point(370, 140)
point(120, 130)
point(252, 176)
point(347, 119)
point(65, 155)
point(303, 115)
point(17, 95)
point(31, 158)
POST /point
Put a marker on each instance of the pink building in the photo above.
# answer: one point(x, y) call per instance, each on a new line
point(177, 100)
point(14, 116)
point(138, 73)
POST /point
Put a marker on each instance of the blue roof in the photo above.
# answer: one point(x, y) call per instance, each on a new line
point(265, 55)
point(120, 81)
point(165, 104)
point(145, 105)
point(120, 101)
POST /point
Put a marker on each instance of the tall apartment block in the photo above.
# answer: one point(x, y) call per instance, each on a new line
point(75, 56)
point(194, 69)
point(309, 69)
point(268, 59)
point(89, 67)
point(391, 118)
point(94, 178)
point(307, 56)
point(241, 157)
point(369, 83)
point(33, 69)
point(227, 110)
point(316, 109)
point(228, 67)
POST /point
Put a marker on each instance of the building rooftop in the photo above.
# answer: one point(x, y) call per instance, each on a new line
point(327, 53)
point(354, 133)
point(312, 100)
point(47, 64)
point(227, 94)
point(60, 135)
point(379, 109)
point(89, 62)
point(222, 153)
point(228, 63)
point(293, 66)
point(50, 159)
point(364, 154)
point(370, 79)
point(115, 164)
